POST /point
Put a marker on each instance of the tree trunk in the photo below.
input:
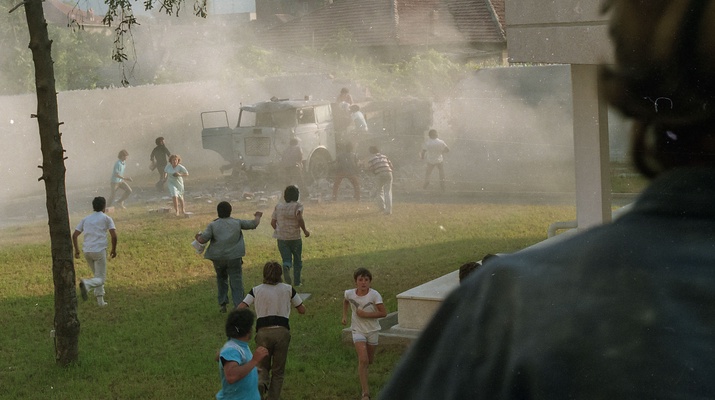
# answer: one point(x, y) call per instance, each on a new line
point(53, 174)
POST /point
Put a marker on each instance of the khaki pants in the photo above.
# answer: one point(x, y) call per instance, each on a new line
point(272, 368)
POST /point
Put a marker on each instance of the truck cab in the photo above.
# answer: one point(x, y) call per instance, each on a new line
point(264, 131)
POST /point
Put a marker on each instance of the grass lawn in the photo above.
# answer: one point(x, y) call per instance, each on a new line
point(158, 336)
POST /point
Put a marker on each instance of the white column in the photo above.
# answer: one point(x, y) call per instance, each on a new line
point(590, 129)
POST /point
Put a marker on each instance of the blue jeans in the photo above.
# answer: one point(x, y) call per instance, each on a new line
point(229, 272)
point(291, 253)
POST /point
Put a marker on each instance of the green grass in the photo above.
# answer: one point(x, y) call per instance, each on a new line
point(158, 336)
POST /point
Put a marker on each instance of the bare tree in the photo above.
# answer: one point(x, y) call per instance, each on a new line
point(66, 322)
point(53, 174)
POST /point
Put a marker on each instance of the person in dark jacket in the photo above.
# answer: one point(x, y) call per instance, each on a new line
point(625, 310)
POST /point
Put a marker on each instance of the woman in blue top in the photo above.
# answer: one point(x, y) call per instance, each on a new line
point(236, 364)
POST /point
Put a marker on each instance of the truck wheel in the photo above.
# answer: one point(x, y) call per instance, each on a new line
point(320, 165)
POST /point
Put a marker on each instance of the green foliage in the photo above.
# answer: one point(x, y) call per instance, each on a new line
point(79, 56)
point(16, 68)
point(252, 62)
point(158, 336)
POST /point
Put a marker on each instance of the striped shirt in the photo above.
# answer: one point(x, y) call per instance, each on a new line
point(379, 164)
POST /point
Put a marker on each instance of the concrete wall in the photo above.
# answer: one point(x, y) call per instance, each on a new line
point(557, 31)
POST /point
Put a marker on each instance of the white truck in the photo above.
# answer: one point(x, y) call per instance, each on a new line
point(264, 131)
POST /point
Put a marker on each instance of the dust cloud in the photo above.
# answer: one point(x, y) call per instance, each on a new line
point(509, 129)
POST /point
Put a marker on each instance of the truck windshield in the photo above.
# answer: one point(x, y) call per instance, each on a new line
point(276, 119)
point(247, 118)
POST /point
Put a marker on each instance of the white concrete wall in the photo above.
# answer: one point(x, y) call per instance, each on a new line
point(557, 31)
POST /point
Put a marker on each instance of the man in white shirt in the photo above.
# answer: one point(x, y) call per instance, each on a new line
point(433, 150)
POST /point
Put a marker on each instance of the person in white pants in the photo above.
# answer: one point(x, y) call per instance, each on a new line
point(95, 227)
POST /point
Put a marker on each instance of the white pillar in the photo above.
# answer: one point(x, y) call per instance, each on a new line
point(590, 129)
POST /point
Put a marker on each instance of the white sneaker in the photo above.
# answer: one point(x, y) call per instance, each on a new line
point(102, 304)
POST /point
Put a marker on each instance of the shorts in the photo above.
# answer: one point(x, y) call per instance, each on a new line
point(369, 337)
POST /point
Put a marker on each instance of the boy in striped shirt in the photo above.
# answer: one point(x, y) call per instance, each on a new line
point(381, 166)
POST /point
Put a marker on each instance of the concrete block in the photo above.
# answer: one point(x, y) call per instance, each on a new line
point(416, 306)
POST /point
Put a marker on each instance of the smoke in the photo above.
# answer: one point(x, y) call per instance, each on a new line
point(509, 129)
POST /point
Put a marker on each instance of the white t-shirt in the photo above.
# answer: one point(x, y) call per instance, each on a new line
point(95, 227)
point(368, 302)
point(275, 299)
point(434, 148)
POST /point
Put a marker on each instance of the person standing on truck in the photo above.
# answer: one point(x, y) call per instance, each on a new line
point(358, 119)
point(292, 163)
point(344, 96)
point(341, 112)
point(159, 157)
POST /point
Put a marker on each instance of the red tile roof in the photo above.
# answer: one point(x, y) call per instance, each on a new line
point(59, 13)
point(394, 22)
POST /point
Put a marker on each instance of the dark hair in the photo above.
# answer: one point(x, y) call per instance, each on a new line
point(99, 203)
point(362, 272)
point(470, 267)
point(292, 193)
point(223, 209)
point(239, 322)
point(467, 269)
point(344, 90)
point(354, 108)
point(122, 153)
point(665, 82)
point(373, 150)
point(272, 273)
point(432, 133)
point(159, 140)
point(489, 256)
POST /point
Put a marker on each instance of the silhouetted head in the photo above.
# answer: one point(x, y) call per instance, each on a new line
point(291, 193)
point(159, 140)
point(354, 108)
point(467, 269)
point(223, 209)
point(432, 134)
point(664, 78)
point(99, 203)
point(239, 322)
point(123, 154)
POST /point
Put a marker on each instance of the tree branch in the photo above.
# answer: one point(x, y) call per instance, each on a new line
point(17, 6)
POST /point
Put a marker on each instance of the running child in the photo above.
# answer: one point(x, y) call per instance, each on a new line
point(367, 307)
